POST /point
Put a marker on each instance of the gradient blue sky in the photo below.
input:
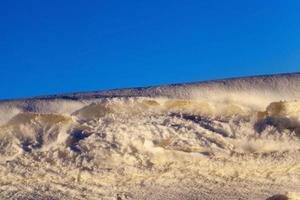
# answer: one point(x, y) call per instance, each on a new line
point(60, 46)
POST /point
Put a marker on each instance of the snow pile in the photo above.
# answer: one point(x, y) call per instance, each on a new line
point(228, 139)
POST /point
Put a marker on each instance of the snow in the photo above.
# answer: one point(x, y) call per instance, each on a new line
point(225, 139)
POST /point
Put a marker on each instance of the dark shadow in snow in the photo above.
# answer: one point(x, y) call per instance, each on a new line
point(278, 197)
point(75, 137)
point(28, 145)
point(203, 122)
point(279, 123)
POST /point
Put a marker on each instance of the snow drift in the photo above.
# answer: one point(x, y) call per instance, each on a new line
point(226, 139)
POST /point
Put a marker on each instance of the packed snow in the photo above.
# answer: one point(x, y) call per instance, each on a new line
point(225, 139)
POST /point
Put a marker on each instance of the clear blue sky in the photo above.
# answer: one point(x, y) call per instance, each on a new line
point(60, 46)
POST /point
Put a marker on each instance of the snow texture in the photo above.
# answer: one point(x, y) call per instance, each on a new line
point(225, 139)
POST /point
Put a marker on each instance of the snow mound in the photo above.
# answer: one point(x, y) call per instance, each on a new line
point(226, 139)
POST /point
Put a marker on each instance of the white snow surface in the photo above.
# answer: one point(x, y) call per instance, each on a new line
point(226, 139)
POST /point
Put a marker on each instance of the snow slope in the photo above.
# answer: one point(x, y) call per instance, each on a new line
point(225, 139)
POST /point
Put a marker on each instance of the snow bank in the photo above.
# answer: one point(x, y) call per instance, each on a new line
point(227, 139)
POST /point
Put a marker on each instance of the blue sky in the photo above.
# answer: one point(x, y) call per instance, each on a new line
point(49, 47)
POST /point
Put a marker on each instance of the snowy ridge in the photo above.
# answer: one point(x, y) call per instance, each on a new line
point(256, 91)
point(167, 142)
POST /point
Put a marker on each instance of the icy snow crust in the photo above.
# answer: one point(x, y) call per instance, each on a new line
point(225, 139)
